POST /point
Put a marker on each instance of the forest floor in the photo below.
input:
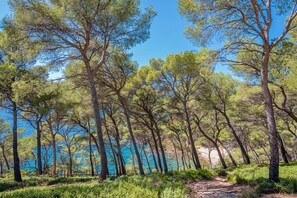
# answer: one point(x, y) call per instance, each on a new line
point(217, 188)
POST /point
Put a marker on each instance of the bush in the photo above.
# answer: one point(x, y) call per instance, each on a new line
point(221, 172)
point(151, 186)
point(250, 192)
point(258, 176)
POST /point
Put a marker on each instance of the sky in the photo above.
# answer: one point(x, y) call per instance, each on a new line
point(167, 33)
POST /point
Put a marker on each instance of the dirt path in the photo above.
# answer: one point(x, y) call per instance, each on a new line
point(221, 188)
point(216, 188)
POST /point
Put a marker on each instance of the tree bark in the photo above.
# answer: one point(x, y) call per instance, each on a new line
point(96, 109)
point(154, 158)
point(283, 150)
point(271, 125)
point(126, 112)
point(91, 157)
point(1, 168)
point(54, 170)
point(157, 149)
point(160, 144)
point(69, 163)
point(5, 158)
point(38, 138)
point(223, 163)
point(229, 153)
point(16, 159)
point(193, 148)
point(146, 158)
point(176, 157)
point(120, 155)
point(244, 153)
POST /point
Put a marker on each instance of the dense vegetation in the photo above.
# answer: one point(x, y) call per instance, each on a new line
point(153, 185)
point(109, 117)
point(256, 176)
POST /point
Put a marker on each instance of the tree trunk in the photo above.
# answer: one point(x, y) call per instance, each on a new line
point(133, 159)
point(176, 157)
point(1, 167)
point(214, 143)
point(120, 155)
point(96, 109)
point(255, 155)
point(160, 144)
point(91, 153)
point(224, 166)
point(229, 153)
point(182, 152)
point(146, 158)
point(140, 167)
point(54, 169)
point(38, 138)
point(154, 158)
point(209, 157)
point(193, 148)
point(271, 125)
point(16, 159)
point(244, 154)
point(156, 149)
point(116, 164)
point(283, 150)
point(5, 158)
point(69, 163)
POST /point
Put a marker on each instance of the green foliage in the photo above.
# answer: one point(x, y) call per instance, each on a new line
point(250, 192)
point(8, 184)
point(221, 172)
point(153, 185)
point(256, 175)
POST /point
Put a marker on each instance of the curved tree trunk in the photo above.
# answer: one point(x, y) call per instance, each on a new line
point(126, 112)
point(119, 153)
point(229, 153)
point(283, 150)
point(223, 163)
point(5, 158)
point(160, 144)
point(154, 158)
point(193, 148)
point(220, 156)
point(146, 158)
point(157, 150)
point(176, 157)
point(244, 153)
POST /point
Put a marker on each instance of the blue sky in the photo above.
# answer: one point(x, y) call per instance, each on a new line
point(167, 32)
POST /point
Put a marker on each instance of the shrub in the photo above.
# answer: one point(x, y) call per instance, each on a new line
point(151, 186)
point(258, 176)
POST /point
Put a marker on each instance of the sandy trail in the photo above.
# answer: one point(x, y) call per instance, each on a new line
point(216, 188)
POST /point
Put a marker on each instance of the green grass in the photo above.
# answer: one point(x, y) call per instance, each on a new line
point(9, 184)
point(257, 176)
point(151, 186)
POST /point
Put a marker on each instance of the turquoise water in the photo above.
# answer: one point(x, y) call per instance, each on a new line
point(83, 158)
